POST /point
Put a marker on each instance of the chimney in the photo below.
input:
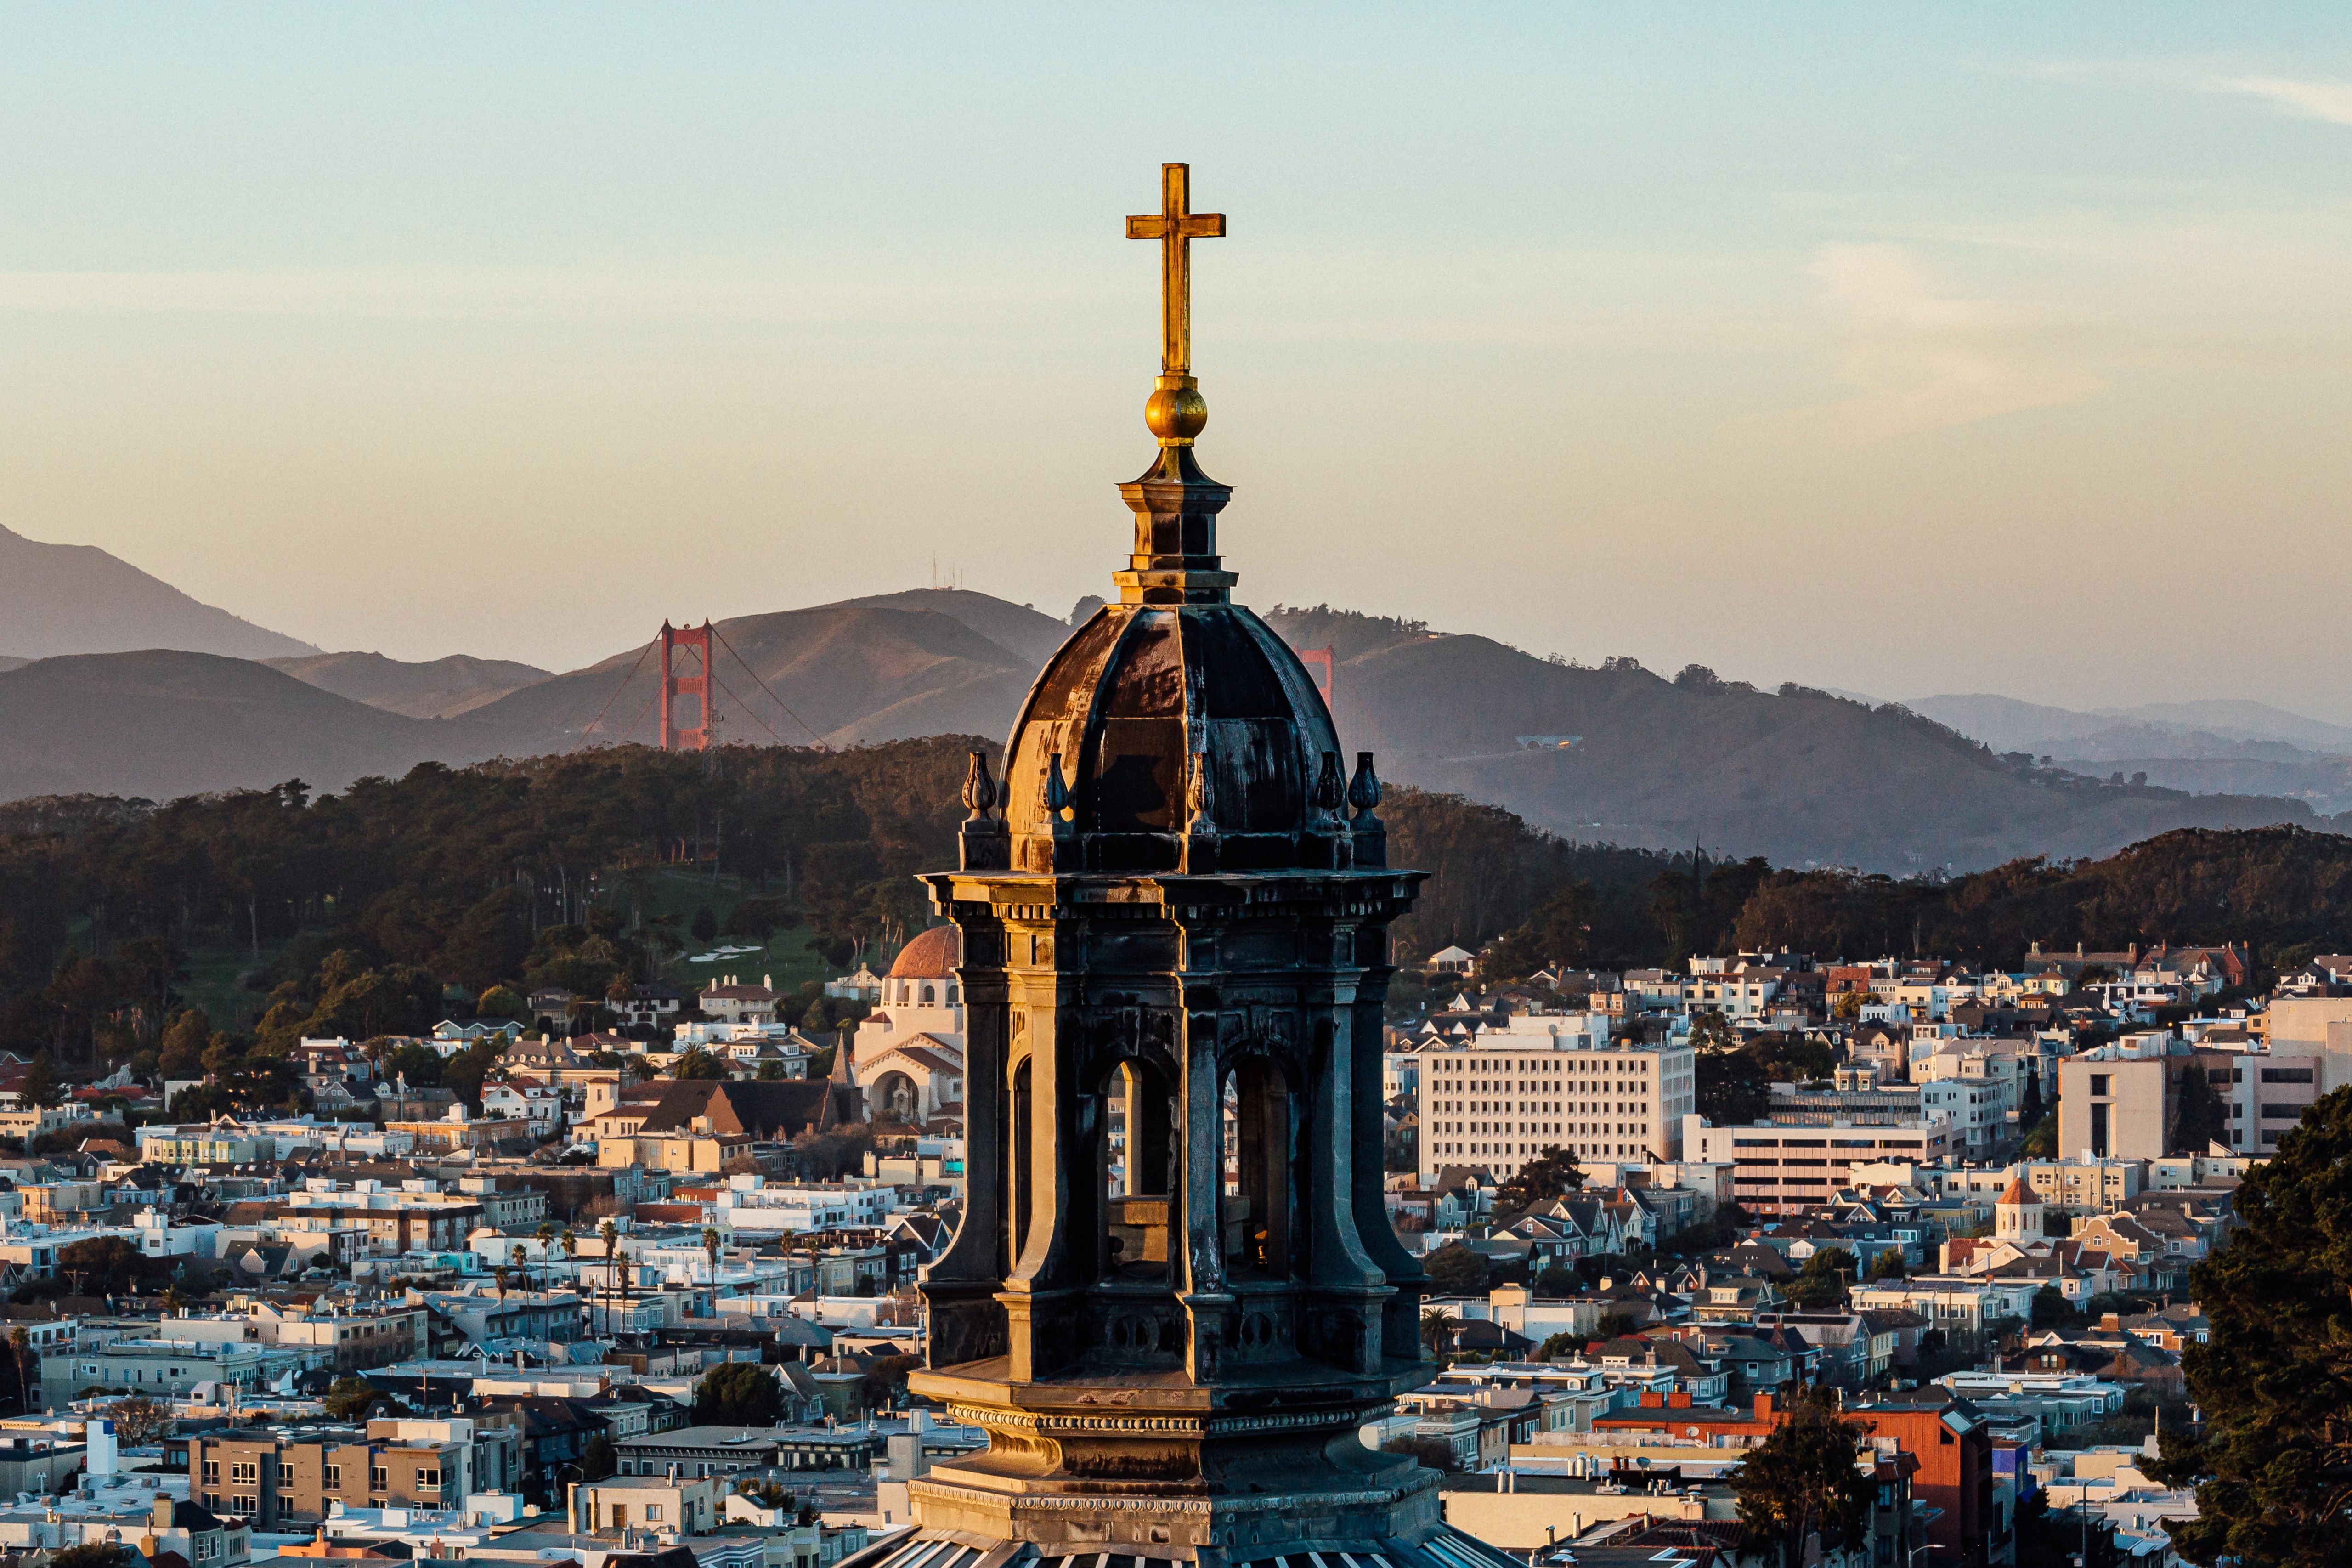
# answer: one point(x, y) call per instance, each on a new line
point(1652, 1399)
point(1678, 1400)
point(1763, 1407)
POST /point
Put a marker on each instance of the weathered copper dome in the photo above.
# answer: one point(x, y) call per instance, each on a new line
point(1175, 731)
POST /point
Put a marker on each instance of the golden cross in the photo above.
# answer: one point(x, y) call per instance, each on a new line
point(1175, 227)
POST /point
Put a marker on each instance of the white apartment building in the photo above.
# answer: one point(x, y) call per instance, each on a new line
point(1979, 1110)
point(1949, 1302)
point(750, 1205)
point(1788, 1169)
point(1499, 1100)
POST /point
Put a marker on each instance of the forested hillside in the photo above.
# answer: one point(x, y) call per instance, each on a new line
point(377, 909)
point(448, 876)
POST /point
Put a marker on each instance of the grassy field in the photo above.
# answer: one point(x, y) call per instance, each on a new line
point(786, 957)
point(212, 984)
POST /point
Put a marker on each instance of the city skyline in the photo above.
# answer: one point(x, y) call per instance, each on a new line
point(1700, 338)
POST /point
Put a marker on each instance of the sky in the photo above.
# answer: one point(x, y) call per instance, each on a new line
point(1898, 350)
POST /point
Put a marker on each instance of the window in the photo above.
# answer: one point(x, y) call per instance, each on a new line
point(334, 1478)
point(212, 1472)
point(378, 1481)
point(2099, 1082)
point(653, 1509)
point(2099, 1128)
point(428, 1480)
point(248, 1471)
point(2286, 1074)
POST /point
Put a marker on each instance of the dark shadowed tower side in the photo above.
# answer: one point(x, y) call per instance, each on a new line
point(1175, 1296)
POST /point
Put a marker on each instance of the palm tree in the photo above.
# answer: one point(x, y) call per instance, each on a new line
point(500, 1275)
point(546, 1239)
point(607, 1232)
point(711, 1246)
point(1438, 1328)
point(21, 1343)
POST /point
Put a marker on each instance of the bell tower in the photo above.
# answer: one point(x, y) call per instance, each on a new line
point(1175, 1297)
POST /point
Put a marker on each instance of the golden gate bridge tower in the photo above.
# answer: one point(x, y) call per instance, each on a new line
point(691, 678)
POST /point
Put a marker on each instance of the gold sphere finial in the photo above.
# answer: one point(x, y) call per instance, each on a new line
point(1176, 411)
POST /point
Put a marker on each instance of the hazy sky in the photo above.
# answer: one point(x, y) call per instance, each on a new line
point(1850, 346)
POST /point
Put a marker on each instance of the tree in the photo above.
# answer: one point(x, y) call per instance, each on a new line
point(103, 1265)
point(20, 1349)
point(1821, 1282)
point(93, 1555)
point(738, 1394)
point(1553, 1173)
point(349, 1398)
point(2042, 1138)
point(596, 1461)
point(1455, 1270)
point(2271, 1466)
point(183, 1046)
point(419, 1064)
point(1889, 1264)
point(886, 1380)
point(706, 924)
point(2052, 1309)
point(41, 1087)
point(1438, 1328)
point(139, 1421)
point(1557, 1279)
point(2198, 1117)
point(503, 1002)
point(711, 1247)
point(1802, 1478)
point(761, 918)
point(698, 1063)
point(464, 1073)
point(1558, 1345)
point(1732, 1087)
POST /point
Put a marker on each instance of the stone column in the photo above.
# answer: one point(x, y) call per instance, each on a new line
point(1196, 1241)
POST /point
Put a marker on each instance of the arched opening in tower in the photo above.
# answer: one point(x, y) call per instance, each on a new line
point(1136, 1173)
point(1259, 1214)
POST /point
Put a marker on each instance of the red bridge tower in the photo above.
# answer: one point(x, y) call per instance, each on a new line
point(694, 681)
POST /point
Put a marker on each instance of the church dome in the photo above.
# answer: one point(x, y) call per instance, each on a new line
point(1177, 718)
point(932, 955)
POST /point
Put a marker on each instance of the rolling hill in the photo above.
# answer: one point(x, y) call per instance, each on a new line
point(862, 671)
point(76, 599)
point(1616, 753)
point(1621, 754)
point(160, 724)
point(437, 689)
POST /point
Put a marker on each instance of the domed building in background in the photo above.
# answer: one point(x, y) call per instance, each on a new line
point(908, 1051)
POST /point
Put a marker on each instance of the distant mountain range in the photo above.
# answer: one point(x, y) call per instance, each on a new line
point(2208, 747)
point(76, 599)
point(1616, 753)
point(2008, 725)
point(440, 689)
